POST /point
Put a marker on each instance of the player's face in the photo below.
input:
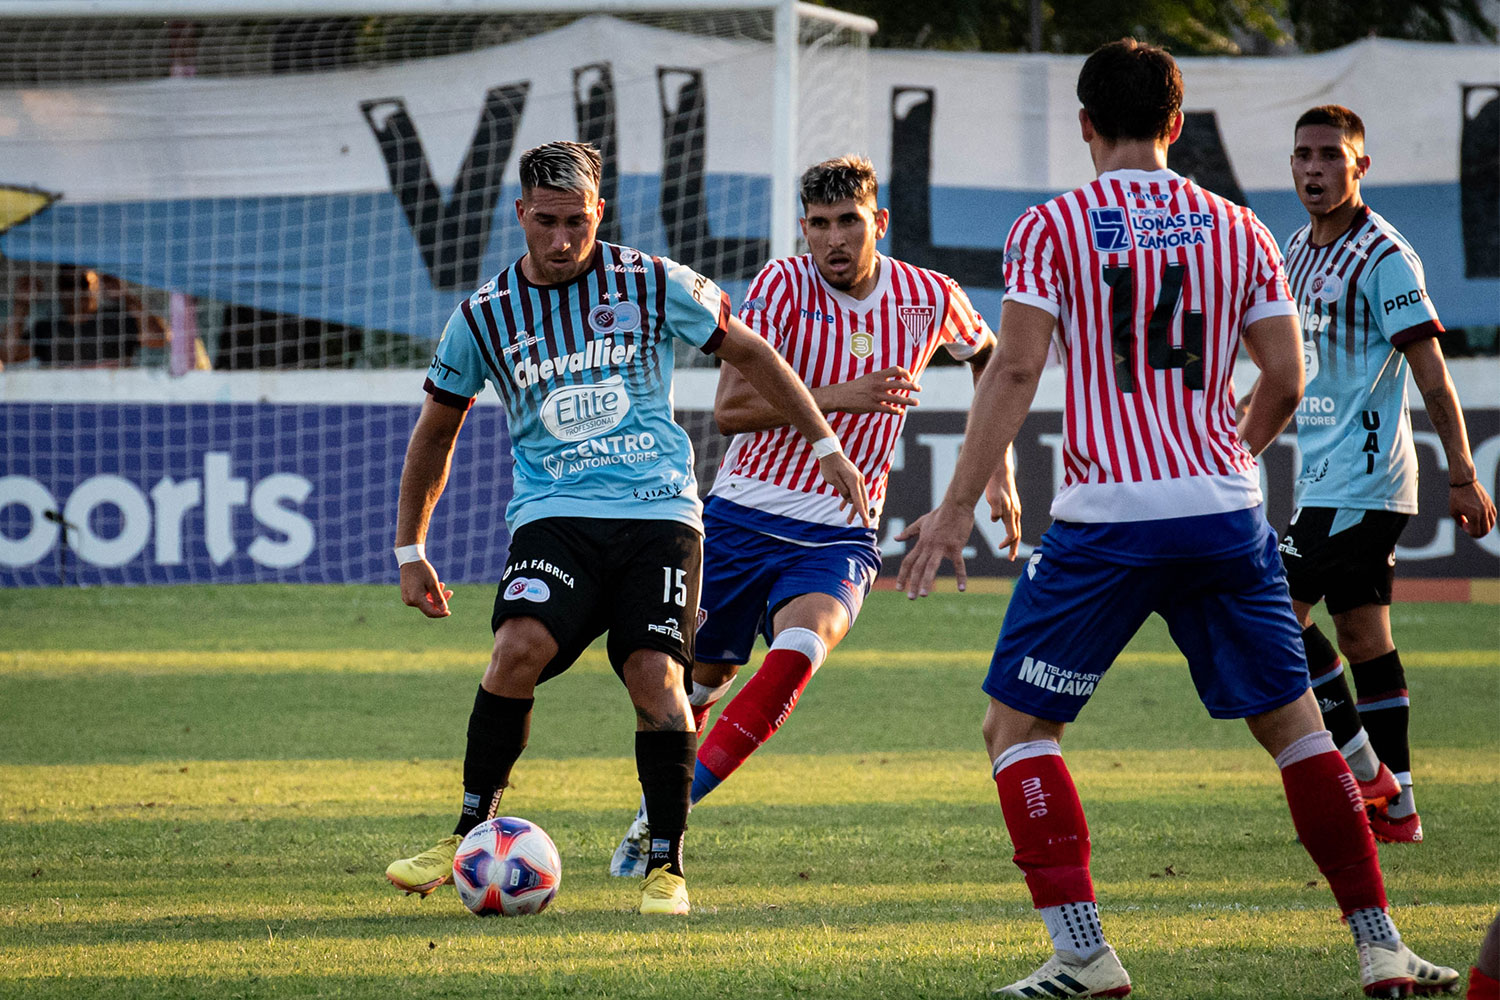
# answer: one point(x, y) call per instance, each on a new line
point(1326, 168)
point(842, 239)
point(559, 228)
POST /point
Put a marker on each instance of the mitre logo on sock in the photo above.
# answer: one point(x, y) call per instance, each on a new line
point(1036, 799)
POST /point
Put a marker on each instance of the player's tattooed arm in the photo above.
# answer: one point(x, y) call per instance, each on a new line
point(1468, 502)
point(429, 454)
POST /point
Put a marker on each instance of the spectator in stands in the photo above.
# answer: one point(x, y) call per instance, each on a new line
point(97, 322)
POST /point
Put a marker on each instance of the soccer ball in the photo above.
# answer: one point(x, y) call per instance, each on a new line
point(507, 866)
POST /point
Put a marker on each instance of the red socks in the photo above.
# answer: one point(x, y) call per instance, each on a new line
point(764, 703)
point(1046, 823)
point(1329, 815)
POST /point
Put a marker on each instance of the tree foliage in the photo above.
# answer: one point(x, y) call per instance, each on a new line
point(1186, 27)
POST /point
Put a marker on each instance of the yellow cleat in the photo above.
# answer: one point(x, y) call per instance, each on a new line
point(428, 870)
point(664, 892)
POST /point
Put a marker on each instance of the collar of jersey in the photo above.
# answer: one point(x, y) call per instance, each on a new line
point(592, 265)
point(1354, 223)
point(849, 302)
point(1164, 175)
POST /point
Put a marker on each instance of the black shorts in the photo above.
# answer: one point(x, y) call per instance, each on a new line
point(637, 580)
point(1348, 570)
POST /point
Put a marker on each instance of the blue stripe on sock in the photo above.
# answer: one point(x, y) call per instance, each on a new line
point(704, 781)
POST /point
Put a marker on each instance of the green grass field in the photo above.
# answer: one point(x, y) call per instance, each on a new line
point(200, 789)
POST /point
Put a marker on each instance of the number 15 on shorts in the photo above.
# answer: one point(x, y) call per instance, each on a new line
point(674, 586)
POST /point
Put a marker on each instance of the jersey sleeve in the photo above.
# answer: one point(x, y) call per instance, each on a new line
point(768, 308)
point(697, 309)
point(1268, 293)
point(456, 374)
point(964, 333)
point(1031, 275)
point(1396, 295)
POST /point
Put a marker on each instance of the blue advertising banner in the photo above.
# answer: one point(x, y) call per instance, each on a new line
point(134, 493)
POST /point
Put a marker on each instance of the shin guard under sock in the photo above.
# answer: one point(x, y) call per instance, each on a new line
point(498, 730)
point(1046, 823)
point(764, 703)
point(1329, 816)
point(664, 761)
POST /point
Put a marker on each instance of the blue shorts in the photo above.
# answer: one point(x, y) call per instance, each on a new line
point(1075, 607)
point(748, 575)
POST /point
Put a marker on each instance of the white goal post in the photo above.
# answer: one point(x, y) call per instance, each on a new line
point(252, 186)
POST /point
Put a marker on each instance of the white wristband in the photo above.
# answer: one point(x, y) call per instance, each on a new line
point(410, 553)
point(824, 447)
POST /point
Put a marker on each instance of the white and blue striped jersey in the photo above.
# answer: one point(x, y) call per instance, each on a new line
point(1362, 298)
point(584, 369)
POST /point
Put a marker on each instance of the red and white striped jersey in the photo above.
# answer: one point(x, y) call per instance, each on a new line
point(828, 337)
point(1152, 279)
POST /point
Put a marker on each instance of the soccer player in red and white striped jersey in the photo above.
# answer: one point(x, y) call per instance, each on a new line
point(1152, 284)
point(780, 556)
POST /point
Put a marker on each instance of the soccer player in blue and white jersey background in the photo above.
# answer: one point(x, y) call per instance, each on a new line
point(1366, 318)
point(605, 523)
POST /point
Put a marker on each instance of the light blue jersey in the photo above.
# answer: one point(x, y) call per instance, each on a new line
point(585, 372)
point(1361, 298)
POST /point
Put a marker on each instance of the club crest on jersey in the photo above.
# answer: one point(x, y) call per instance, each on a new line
point(862, 344)
point(1109, 230)
point(1327, 287)
point(917, 322)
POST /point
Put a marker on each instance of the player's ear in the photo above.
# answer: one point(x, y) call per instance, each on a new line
point(520, 210)
point(1175, 133)
point(882, 222)
point(1085, 126)
point(1362, 167)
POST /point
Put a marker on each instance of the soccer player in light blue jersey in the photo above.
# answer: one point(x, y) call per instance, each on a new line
point(605, 523)
point(1366, 319)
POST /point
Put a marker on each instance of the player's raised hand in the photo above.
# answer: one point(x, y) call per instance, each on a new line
point(1005, 505)
point(842, 475)
point(889, 390)
point(1472, 508)
point(940, 534)
point(421, 589)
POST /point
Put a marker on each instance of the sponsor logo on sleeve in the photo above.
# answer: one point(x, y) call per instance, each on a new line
point(669, 627)
point(1405, 300)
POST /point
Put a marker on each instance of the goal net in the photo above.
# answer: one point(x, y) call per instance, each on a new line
point(230, 236)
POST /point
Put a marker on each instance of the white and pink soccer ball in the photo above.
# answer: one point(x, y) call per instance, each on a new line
point(507, 867)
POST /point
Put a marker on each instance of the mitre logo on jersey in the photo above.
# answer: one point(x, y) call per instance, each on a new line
point(1109, 230)
point(917, 322)
point(576, 412)
point(862, 344)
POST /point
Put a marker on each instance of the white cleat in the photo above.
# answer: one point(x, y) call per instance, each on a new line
point(630, 857)
point(1401, 972)
point(1104, 976)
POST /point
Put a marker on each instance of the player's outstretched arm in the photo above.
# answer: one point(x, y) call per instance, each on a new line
point(1275, 345)
point(429, 454)
point(1001, 400)
point(1469, 502)
point(739, 409)
point(769, 374)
